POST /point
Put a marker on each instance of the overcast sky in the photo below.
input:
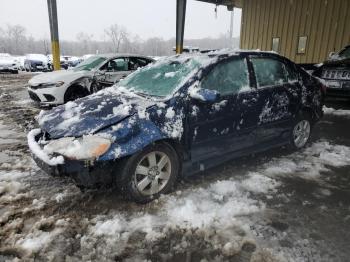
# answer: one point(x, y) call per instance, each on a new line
point(146, 18)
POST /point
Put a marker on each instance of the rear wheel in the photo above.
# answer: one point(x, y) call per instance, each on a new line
point(301, 132)
point(150, 173)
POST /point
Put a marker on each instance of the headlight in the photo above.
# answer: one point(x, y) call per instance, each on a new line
point(48, 85)
point(86, 147)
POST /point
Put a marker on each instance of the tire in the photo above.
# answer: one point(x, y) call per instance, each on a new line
point(146, 184)
point(14, 72)
point(75, 92)
point(301, 132)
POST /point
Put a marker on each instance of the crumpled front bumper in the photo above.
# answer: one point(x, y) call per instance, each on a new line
point(85, 173)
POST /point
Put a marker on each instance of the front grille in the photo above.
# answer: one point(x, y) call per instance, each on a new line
point(33, 96)
point(337, 74)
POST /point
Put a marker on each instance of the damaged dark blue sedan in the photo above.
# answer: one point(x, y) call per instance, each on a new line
point(181, 115)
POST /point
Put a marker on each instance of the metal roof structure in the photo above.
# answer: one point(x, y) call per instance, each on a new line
point(229, 3)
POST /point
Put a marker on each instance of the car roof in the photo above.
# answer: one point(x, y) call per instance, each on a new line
point(115, 55)
point(211, 57)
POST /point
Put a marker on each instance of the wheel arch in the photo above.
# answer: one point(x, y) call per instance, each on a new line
point(308, 110)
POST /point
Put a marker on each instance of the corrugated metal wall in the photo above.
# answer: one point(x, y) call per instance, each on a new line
point(326, 23)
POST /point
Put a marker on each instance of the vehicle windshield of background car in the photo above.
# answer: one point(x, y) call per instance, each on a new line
point(90, 63)
point(160, 79)
point(345, 53)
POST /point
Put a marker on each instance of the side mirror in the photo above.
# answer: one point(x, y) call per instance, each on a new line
point(204, 95)
point(331, 54)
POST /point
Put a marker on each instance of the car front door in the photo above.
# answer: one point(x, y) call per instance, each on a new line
point(279, 93)
point(113, 71)
point(215, 128)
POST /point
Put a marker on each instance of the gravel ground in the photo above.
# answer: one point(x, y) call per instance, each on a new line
point(275, 206)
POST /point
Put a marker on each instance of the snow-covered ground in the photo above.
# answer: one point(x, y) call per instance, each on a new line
point(276, 206)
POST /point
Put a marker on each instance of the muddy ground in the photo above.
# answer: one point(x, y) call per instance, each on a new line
point(275, 206)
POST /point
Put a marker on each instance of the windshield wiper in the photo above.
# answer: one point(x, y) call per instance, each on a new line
point(146, 95)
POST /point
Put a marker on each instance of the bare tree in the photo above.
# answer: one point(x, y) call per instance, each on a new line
point(16, 36)
point(85, 40)
point(14, 40)
point(116, 34)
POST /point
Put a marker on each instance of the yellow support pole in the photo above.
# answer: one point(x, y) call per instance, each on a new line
point(56, 55)
point(180, 24)
point(55, 45)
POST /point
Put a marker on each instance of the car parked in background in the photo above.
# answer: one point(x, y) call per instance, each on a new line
point(336, 74)
point(21, 60)
point(35, 63)
point(9, 64)
point(65, 61)
point(178, 116)
point(93, 74)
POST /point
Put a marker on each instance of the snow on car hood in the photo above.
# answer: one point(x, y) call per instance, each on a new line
point(90, 114)
point(7, 61)
point(61, 75)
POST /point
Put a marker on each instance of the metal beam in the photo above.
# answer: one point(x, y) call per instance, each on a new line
point(229, 3)
point(180, 24)
point(52, 9)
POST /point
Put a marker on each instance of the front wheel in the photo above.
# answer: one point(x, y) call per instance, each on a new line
point(75, 92)
point(301, 133)
point(150, 173)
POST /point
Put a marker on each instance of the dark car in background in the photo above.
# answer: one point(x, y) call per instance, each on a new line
point(336, 74)
point(35, 63)
point(178, 116)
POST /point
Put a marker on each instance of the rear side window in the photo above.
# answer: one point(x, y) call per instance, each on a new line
point(228, 77)
point(269, 72)
point(136, 62)
point(291, 73)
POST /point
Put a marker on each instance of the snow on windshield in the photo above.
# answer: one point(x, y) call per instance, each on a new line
point(90, 63)
point(165, 76)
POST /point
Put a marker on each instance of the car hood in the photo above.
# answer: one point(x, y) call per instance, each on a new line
point(91, 114)
point(61, 75)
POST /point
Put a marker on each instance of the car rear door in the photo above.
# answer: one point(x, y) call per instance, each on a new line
point(217, 128)
point(279, 93)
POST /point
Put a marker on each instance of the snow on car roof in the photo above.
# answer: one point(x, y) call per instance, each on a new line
point(111, 55)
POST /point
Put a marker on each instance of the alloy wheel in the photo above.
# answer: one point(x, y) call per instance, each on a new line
point(301, 133)
point(152, 173)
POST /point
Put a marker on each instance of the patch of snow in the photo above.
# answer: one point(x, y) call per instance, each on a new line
point(193, 91)
point(37, 240)
point(218, 106)
point(336, 112)
point(170, 113)
point(170, 74)
point(122, 109)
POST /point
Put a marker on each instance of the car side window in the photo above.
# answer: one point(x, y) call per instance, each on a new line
point(115, 65)
point(292, 75)
point(268, 71)
point(228, 77)
point(136, 62)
